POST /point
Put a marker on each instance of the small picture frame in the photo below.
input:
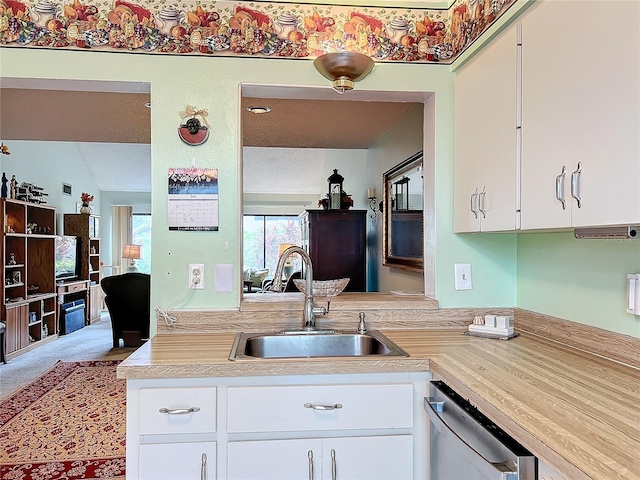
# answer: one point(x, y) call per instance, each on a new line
point(66, 189)
point(17, 277)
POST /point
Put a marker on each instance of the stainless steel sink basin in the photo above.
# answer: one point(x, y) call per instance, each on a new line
point(313, 345)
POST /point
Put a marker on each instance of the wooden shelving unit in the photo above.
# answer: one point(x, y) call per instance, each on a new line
point(28, 288)
point(86, 227)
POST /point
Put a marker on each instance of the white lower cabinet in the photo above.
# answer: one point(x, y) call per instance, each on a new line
point(342, 426)
point(348, 458)
point(172, 461)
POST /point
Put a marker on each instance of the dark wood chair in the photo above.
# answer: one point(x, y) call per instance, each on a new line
point(290, 286)
point(128, 299)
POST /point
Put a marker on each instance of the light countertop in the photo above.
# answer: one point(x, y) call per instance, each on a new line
point(578, 411)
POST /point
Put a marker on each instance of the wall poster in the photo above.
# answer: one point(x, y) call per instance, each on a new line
point(193, 199)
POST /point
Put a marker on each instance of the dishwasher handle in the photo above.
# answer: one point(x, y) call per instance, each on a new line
point(500, 470)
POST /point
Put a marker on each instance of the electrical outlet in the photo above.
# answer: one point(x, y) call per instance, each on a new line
point(462, 276)
point(196, 276)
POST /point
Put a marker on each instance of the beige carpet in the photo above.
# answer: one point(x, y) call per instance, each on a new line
point(93, 342)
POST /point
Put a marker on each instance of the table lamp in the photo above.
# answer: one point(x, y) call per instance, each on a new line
point(131, 252)
point(288, 266)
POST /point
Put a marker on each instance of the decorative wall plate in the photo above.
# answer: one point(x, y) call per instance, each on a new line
point(197, 138)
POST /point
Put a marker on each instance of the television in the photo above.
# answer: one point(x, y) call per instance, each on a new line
point(66, 258)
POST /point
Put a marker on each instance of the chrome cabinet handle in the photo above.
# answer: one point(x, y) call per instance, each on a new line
point(179, 411)
point(575, 184)
point(481, 197)
point(335, 406)
point(333, 465)
point(203, 467)
point(310, 456)
point(560, 187)
point(474, 210)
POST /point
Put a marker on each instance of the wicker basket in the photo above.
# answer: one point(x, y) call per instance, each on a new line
point(323, 288)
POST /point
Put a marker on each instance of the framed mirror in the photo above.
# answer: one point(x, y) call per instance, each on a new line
point(403, 226)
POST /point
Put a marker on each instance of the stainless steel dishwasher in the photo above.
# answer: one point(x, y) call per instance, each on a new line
point(466, 445)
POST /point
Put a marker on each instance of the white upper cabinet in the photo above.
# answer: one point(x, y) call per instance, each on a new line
point(486, 145)
point(580, 114)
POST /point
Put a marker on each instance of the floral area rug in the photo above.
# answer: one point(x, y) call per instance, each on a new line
point(67, 424)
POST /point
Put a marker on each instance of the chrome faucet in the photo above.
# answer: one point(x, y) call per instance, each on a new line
point(310, 312)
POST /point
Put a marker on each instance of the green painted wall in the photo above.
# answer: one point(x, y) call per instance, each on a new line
point(579, 280)
point(214, 83)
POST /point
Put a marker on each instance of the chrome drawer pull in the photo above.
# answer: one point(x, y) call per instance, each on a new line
point(335, 406)
point(481, 197)
point(560, 188)
point(179, 411)
point(310, 456)
point(474, 197)
point(575, 185)
point(203, 467)
point(334, 467)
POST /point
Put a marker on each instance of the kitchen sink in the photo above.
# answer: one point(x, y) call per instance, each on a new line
point(303, 344)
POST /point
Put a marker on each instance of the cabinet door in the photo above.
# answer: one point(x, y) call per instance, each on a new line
point(580, 104)
point(368, 458)
point(171, 461)
point(606, 114)
point(547, 129)
point(95, 302)
point(486, 155)
point(17, 328)
point(274, 459)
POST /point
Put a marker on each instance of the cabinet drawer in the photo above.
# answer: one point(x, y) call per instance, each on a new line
point(73, 288)
point(177, 401)
point(289, 409)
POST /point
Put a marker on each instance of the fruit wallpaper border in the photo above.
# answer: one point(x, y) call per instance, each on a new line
point(257, 29)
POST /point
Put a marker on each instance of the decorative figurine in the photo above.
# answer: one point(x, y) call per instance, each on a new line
point(14, 186)
point(12, 259)
point(4, 185)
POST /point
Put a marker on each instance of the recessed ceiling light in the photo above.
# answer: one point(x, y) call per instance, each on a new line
point(259, 109)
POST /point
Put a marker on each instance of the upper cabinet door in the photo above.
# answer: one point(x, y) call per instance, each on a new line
point(486, 156)
point(606, 110)
point(580, 115)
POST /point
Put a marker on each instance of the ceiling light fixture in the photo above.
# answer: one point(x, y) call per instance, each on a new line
point(259, 109)
point(343, 68)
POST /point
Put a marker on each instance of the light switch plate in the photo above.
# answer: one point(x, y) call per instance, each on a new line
point(462, 279)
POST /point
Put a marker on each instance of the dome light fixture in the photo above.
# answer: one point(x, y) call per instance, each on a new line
point(259, 109)
point(343, 68)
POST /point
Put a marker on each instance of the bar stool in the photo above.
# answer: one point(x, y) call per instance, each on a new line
point(3, 358)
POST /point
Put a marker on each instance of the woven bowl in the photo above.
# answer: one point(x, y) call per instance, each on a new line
point(323, 288)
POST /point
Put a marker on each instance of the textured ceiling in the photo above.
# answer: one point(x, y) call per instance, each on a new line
point(317, 123)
